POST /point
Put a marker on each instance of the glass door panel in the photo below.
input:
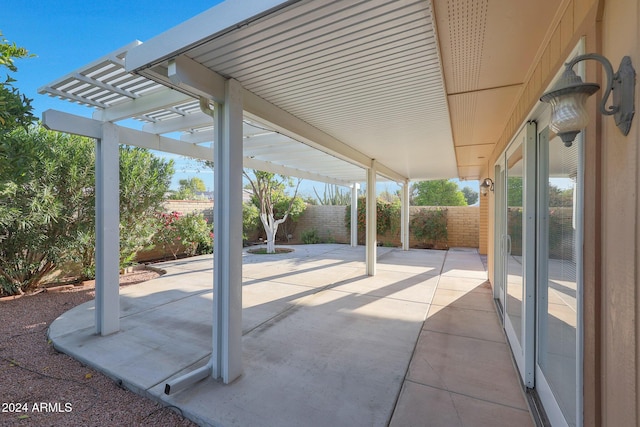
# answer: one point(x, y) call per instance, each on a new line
point(518, 255)
point(513, 245)
point(514, 241)
point(559, 233)
point(500, 237)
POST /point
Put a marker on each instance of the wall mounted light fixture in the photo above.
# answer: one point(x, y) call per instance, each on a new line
point(568, 96)
point(485, 186)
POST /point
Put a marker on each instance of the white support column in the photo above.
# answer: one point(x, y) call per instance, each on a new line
point(107, 301)
point(227, 270)
point(354, 214)
point(371, 220)
point(405, 216)
point(402, 214)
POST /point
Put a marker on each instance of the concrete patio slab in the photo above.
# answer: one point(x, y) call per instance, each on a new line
point(323, 344)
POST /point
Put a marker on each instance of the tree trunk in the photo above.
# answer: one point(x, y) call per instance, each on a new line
point(270, 229)
point(271, 242)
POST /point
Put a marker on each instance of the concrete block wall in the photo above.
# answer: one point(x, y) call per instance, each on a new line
point(328, 220)
point(484, 225)
point(188, 206)
point(463, 225)
point(463, 222)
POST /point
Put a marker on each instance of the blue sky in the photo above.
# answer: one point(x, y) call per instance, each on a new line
point(67, 34)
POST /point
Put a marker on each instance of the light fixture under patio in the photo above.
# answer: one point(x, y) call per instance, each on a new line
point(486, 186)
point(568, 97)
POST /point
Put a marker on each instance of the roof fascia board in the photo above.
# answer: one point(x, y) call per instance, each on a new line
point(155, 101)
point(201, 28)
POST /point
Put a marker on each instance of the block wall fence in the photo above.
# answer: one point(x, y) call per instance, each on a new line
point(463, 222)
point(189, 206)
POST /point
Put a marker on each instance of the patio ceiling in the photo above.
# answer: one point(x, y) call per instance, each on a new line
point(364, 73)
point(118, 95)
point(331, 86)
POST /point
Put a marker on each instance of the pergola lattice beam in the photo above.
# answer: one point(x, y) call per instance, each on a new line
point(70, 123)
point(161, 99)
point(198, 80)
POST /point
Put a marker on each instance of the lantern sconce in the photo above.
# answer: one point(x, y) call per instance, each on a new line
point(569, 95)
point(486, 186)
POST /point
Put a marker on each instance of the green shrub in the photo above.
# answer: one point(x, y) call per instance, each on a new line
point(195, 234)
point(46, 204)
point(190, 233)
point(144, 180)
point(310, 237)
point(387, 217)
point(429, 226)
point(250, 220)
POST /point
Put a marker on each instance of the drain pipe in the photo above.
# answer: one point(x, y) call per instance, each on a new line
point(188, 379)
point(199, 374)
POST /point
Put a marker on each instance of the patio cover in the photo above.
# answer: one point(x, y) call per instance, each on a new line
point(354, 80)
point(171, 121)
point(337, 91)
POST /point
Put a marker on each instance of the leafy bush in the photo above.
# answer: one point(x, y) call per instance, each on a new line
point(387, 216)
point(16, 109)
point(188, 233)
point(144, 180)
point(429, 226)
point(195, 234)
point(46, 204)
point(167, 235)
point(250, 220)
point(310, 237)
point(288, 227)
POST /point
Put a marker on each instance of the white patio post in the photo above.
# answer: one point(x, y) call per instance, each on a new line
point(354, 214)
point(402, 213)
point(107, 301)
point(406, 213)
point(371, 220)
point(227, 270)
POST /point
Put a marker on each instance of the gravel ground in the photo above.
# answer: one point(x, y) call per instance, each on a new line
point(41, 387)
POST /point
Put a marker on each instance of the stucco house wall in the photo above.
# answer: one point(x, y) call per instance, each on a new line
point(611, 207)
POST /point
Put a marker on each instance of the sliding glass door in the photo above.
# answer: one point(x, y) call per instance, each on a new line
point(515, 219)
point(558, 355)
point(538, 265)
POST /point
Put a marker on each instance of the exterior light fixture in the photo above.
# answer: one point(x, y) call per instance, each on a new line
point(569, 95)
point(485, 186)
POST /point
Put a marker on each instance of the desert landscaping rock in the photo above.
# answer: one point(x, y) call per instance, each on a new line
point(42, 387)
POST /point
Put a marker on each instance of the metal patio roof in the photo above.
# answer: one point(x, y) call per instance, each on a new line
point(364, 73)
point(117, 95)
point(367, 73)
point(358, 80)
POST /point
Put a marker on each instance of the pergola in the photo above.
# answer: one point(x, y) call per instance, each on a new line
point(342, 92)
